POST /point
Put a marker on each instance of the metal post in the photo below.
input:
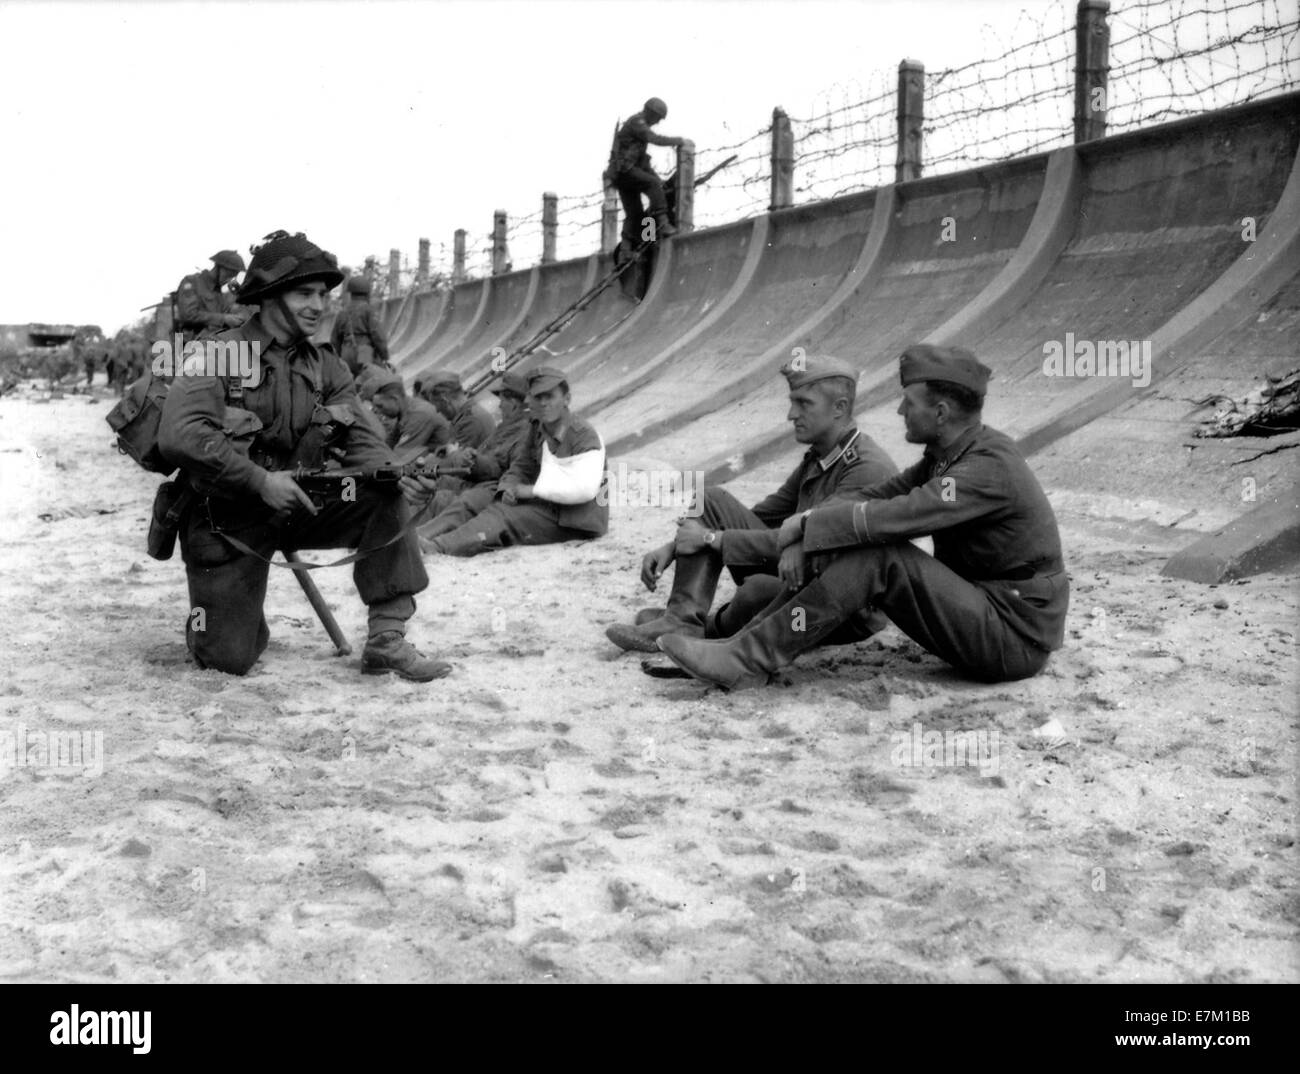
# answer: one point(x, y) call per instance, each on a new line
point(458, 257)
point(911, 114)
point(686, 186)
point(550, 223)
point(500, 254)
point(609, 222)
point(782, 160)
point(1091, 67)
point(422, 269)
point(394, 272)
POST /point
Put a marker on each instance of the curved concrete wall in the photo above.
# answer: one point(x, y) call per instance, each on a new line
point(1135, 237)
point(422, 324)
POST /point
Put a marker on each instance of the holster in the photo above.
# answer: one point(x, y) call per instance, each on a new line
point(169, 506)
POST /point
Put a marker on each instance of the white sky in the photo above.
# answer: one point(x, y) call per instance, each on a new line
point(138, 138)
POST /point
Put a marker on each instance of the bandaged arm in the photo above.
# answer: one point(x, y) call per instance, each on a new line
point(575, 479)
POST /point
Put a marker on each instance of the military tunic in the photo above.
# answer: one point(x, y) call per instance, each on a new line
point(472, 425)
point(358, 337)
point(993, 598)
point(748, 540)
point(200, 306)
point(420, 428)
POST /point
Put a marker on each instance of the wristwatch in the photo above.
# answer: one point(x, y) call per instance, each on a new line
point(711, 539)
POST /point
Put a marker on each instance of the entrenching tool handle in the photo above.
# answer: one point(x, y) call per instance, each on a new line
point(322, 610)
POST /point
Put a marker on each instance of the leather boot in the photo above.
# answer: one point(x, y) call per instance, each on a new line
point(769, 643)
point(390, 653)
point(663, 226)
point(695, 578)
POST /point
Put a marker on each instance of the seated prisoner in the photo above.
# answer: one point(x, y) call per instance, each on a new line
point(991, 600)
point(840, 464)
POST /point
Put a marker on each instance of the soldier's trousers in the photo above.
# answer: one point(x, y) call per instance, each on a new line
point(756, 585)
point(451, 510)
point(226, 628)
point(502, 525)
point(951, 617)
point(631, 184)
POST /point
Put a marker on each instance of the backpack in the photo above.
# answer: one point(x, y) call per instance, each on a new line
point(137, 419)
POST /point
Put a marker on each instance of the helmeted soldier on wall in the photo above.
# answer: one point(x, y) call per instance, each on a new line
point(632, 173)
point(357, 336)
point(238, 455)
point(202, 307)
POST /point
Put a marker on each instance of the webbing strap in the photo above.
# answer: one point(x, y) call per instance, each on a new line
point(302, 565)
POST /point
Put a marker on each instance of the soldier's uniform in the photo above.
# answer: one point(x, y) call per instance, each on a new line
point(537, 521)
point(991, 600)
point(471, 423)
point(745, 540)
point(358, 337)
point(226, 451)
point(202, 307)
point(633, 174)
point(418, 427)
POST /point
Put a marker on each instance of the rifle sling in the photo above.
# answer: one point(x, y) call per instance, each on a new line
point(361, 553)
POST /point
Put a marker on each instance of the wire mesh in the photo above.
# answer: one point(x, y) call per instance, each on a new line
point(1168, 58)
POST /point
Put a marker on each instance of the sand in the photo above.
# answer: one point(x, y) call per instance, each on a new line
point(550, 813)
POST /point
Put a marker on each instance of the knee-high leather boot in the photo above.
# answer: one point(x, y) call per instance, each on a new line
point(695, 580)
point(768, 644)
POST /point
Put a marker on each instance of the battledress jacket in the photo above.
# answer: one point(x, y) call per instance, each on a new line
point(199, 432)
point(200, 307)
point(990, 519)
point(854, 465)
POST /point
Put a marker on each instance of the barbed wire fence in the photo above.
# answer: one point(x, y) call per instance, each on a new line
point(1167, 59)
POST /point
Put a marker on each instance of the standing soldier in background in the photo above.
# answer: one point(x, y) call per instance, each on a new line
point(632, 174)
point(412, 427)
point(358, 337)
point(202, 309)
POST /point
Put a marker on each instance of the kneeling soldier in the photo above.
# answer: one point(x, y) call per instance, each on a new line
point(238, 458)
point(841, 463)
point(991, 600)
point(555, 490)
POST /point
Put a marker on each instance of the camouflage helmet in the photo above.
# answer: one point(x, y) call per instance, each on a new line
point(657, 106)
point(228, 259)
point(284, 260)
point(358, 285)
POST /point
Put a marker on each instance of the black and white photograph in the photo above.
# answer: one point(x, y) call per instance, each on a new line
point(650, 493)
